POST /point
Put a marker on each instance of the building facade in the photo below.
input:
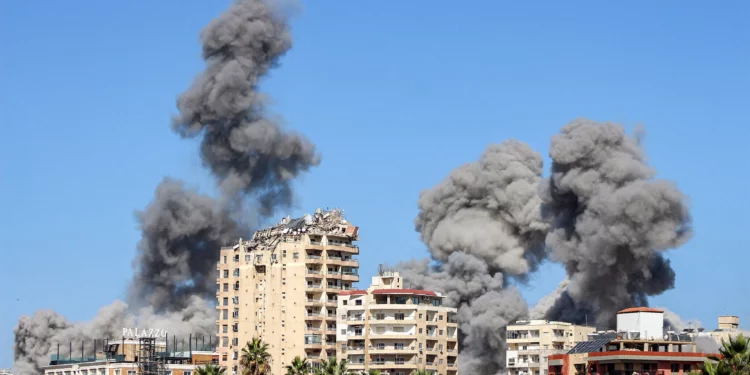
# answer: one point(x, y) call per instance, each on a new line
point(531, 342)
point(396, 330)
point(282, 286)
point(634, 348)
point(126, 357)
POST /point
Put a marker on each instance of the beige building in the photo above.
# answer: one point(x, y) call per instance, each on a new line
point(121, 357)
point(282, 287)
point(396, 330)
point(530, 342)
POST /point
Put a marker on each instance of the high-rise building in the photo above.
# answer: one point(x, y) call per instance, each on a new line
point(396, 330)
point(530, 342)
point(282, 286)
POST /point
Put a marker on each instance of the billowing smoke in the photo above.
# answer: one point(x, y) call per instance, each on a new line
point(182, 232)
point(600, 213)
point(482, 226)
point(37, 336)
point(254, 161)
point(610, 222)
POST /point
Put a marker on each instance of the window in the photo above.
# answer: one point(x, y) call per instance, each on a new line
point(295, 255)
point(436, 302)
point(226, 273)
point(343, 332)
point(440, 317)
point(225, 260)
point(345, 301)
point(226, 287)
point(399, 316)
point(420, 316)
point(273, 257)
point(686, 368)
point(440, 332)
point(131, 372)
point(379, 316)
point(358, 302)
point(628, 366)
point(224, 328)
point(235, 341)
point(675, 367)
point(225, 341)
point(283, 253)
point(381, 345)
point(420, 331)
point(646, 367)
point(415, 300)
point(225, 313)
point(187, 372)
point(225, 301)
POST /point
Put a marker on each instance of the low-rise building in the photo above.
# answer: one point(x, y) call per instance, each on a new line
point(531, 342)
point(634, 348)
point(396, 330)
point(134, 357)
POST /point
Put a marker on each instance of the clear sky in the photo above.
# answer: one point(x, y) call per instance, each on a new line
point(395, 95)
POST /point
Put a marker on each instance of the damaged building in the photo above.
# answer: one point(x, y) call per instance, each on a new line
point(282, 286)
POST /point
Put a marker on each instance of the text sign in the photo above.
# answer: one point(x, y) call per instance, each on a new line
point(140, 332)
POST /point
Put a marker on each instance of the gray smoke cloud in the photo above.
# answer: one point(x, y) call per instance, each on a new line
point(482, 226)
point(611, 221)
point(247, 150)
point(37, 336)
point(254, 160)
point(177, 254)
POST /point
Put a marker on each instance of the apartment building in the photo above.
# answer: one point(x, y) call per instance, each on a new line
point(531, 342)
point(128, 357)
point(282, 286)
point(638, 346)
point(396, 330)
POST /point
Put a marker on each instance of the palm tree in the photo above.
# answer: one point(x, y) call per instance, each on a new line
point(421, 372)
point(331, 367)
point(299, 366)
point(255, 358)
point(210, 369)
point(733, 358)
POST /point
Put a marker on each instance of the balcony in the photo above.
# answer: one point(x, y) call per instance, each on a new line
point(348, 248)
point(314, 316)
point(392, 363)
point(397, 349)
point(355, 318)
point(314, 286)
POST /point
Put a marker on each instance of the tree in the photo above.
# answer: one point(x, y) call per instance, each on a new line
point(421, 372)
point(255, 358)
point(331, 367)
point(210, 369)
point(733, 358)
point(299, 366)
point(373, 372)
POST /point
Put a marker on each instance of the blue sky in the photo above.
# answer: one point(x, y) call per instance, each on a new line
point(394, 94)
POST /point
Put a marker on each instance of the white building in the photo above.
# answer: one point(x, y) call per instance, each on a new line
point(644, 323)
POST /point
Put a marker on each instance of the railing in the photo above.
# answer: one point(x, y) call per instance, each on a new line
point(350, 273)
point(313, 328)
point(334, 272)
point(334, 287)
point(315, 286)
point(355, 348)
point(375, 348)
point(313, 272)
point(333, 257)
point(356, 318)
point(314, 314)
point(394, 362)
point(313, 256)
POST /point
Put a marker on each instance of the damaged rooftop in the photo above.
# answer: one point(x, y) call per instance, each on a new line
point(329, 222)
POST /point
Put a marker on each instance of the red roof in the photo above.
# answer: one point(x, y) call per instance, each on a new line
point(353, 293)
point(640, 309)
point(414, 292)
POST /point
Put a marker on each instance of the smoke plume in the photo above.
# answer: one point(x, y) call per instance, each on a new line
point(254, 161)
point(600, 213)
point(482, 226)
point(610, 221)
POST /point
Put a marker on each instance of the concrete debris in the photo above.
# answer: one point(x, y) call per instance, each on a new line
point(328, 223)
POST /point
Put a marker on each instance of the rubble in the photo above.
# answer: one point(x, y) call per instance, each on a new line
point(321, 223)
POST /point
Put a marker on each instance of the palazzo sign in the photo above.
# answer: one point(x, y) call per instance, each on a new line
point(140, 332)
